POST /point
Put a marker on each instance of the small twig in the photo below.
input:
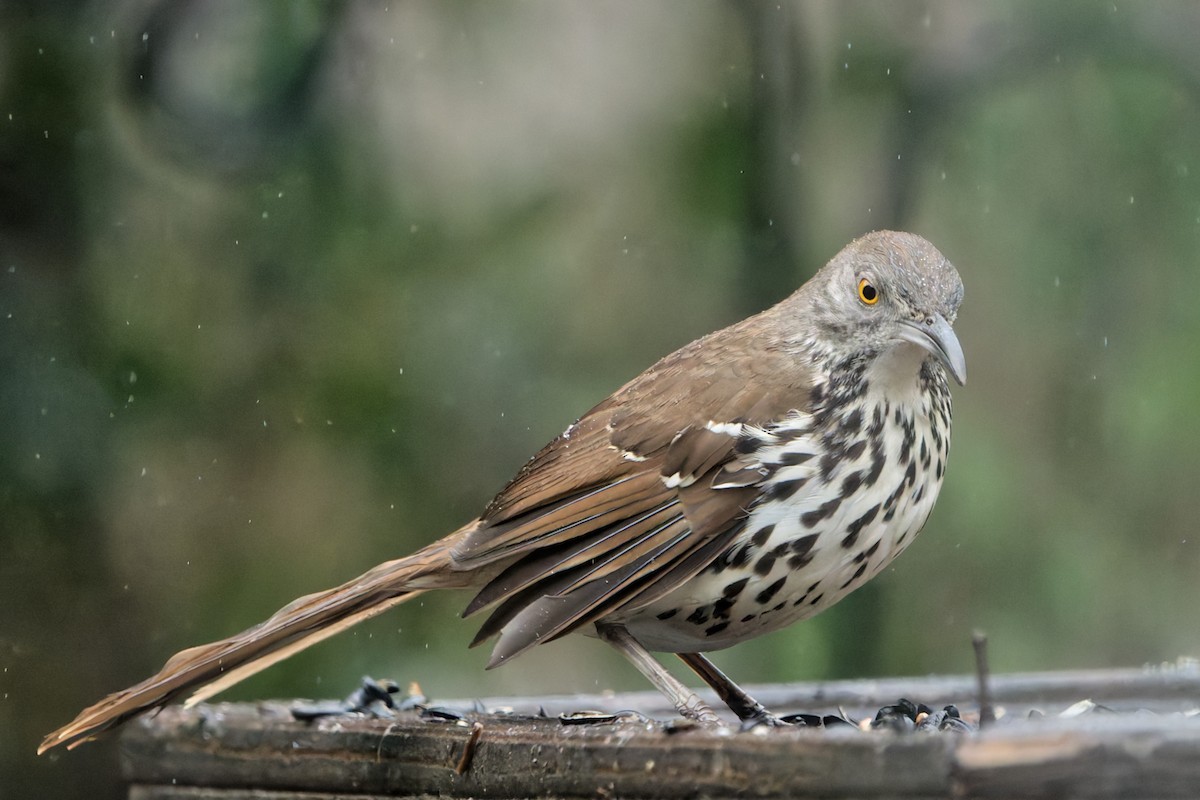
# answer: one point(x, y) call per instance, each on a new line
point(468, 753)
point(987, 714)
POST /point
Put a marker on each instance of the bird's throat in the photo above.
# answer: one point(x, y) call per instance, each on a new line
point(895, 374)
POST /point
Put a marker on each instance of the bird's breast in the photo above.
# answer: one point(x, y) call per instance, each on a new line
point(844, 493)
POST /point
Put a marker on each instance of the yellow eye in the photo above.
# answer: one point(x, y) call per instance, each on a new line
point(867, 292)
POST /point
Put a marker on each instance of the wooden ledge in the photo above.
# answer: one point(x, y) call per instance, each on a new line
point(1150, 747)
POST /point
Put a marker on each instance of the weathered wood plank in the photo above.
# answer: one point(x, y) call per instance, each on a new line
point(243, 746)
point(239, 752)
point(1099, 756)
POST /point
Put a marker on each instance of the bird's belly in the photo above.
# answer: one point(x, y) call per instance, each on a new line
point(797, 557)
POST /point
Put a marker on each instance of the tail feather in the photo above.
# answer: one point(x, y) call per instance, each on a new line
point(211, 668)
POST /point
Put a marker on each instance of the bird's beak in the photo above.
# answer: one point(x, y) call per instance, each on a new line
point(935, 335)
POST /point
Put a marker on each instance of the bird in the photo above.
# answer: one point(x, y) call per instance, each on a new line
point(745, 482)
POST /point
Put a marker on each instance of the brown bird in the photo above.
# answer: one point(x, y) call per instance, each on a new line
point(746, 481)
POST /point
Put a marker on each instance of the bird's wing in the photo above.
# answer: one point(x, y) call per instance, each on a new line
point(638, 496)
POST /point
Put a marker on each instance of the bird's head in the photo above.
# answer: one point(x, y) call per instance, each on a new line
point(883, 294)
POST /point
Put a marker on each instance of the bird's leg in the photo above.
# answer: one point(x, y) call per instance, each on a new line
point(687, 702)
point(748, 710)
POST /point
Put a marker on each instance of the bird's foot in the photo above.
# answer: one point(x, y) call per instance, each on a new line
point(699, 713)
point(761, 718)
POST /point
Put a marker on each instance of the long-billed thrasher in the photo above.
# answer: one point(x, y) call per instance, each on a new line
point(746, 481)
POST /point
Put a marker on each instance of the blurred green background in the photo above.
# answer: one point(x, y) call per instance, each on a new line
point(291, 288)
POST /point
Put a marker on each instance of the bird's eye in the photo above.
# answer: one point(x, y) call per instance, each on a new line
point(867, 292)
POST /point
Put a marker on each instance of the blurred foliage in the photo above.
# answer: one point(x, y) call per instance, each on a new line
point(290, 288)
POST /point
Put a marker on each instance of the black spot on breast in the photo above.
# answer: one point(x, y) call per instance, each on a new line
point(764, 597)
point(858, 573)
point(699, 616)
point(855, 527)
point(853, 421)
point(877, 463)
point(802, 545)
point(762, 534)
point(910, 474)
point(713, 630)
point(765, 564)
point(748, 618)
point(794, 458)
point(668, 614)
point(855, 451)
point(826, 509)
point(721, 608)
point(735, 557)
point(732, 590)
point(799, 600)
point(798, 562)
point(782, 490)
point(878, 418)
point(851, 483)
point(829, 463)
point(816, 599)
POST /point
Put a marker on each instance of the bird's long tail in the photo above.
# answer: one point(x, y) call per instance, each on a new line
point(211, 668)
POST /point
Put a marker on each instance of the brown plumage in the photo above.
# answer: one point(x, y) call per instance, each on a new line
point(692, 508)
